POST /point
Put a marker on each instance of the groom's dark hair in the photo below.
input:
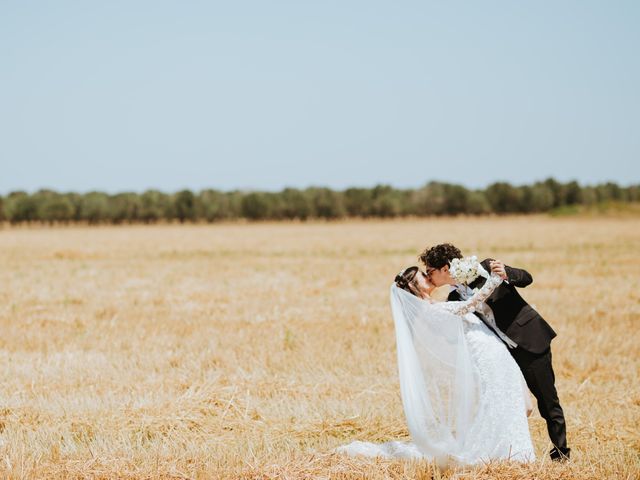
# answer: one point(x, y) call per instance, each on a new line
point(440, 255)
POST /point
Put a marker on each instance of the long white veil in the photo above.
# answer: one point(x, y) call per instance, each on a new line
point(438, 381)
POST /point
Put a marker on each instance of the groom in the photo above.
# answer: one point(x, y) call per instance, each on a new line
point(527, 335)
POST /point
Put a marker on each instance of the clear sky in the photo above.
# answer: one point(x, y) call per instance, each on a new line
point(128, 95)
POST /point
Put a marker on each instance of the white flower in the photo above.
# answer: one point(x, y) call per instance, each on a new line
point(464, 270)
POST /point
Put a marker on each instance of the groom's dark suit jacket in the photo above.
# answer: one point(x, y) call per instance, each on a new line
point(515, 317)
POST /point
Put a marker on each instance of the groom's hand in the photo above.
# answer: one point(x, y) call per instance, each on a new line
point(497, 267)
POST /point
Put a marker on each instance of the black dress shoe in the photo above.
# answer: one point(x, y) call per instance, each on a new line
point(560, 454)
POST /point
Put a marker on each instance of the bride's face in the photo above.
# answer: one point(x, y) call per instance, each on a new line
point(423, 283)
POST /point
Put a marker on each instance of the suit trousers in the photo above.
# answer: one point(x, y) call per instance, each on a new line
point(538, 373)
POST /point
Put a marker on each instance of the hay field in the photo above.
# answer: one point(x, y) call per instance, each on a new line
point(250, 351)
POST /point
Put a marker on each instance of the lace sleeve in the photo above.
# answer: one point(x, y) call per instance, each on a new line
point(462, 308)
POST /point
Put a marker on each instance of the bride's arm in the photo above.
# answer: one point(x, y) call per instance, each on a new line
point(462, 308)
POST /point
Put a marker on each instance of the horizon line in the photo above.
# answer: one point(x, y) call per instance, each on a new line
point(6, 193)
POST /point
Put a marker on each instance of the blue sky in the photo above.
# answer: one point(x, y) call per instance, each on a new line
point(153, 94)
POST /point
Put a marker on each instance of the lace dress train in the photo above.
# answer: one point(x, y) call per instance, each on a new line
point(498, 428)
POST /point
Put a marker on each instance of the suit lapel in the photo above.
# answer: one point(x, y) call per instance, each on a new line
point(453, 296)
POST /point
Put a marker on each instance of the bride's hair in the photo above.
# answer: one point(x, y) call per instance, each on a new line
point(406, 280)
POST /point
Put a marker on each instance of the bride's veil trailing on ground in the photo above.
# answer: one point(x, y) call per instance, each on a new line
point(438, 382)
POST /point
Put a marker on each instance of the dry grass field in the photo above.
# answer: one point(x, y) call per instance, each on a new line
point(251, 351)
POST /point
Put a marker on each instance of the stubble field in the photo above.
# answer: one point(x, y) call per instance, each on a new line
point(251, 351)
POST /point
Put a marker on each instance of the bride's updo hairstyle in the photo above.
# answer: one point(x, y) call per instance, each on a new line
point(406, 280)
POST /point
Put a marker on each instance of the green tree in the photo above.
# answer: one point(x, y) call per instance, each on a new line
point(184, 205)
point(633, 193)
point(125, 208)
point(75, 199)
point(456, 199)
point(385, 201)
point(326, 203)
point(255, 206)
point(277, 206)
point(21, 207)
point(556, 190)
point(430, 199)
point(154, 206)
point(358, 202)
point(504, 198)
point(295, 204)
point(234, 204)
point(54, 207)
point(94, 208)
point(477, 203)
point(608, 192)
point(542, 198)
point(589, 196)
point(212, 205)
point(572, 194)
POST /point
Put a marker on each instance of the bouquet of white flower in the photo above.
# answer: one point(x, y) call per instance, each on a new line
point(465, 270)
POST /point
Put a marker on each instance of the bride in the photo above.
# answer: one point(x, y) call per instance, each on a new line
point(464, 397)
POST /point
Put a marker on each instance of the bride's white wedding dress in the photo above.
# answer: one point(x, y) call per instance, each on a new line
point(464, 396)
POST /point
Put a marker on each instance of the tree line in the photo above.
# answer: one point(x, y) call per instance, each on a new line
point(382, 201)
